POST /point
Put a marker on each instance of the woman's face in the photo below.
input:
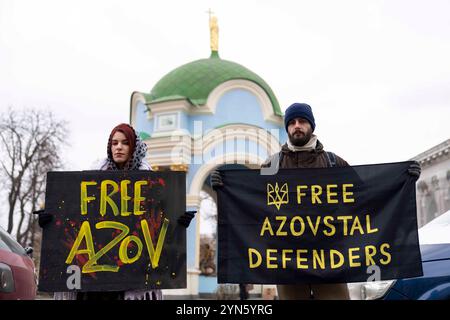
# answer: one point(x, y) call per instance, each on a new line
point(120, 149)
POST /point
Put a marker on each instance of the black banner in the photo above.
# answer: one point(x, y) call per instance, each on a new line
point(324, 225)
point(114, 231)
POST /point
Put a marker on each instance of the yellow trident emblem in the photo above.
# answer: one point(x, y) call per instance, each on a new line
point(276, 195)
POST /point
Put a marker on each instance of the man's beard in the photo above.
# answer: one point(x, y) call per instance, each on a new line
point(299, 139)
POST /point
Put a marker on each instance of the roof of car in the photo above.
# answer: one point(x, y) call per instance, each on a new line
point(436, 231)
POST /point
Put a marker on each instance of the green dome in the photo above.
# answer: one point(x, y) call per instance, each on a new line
point(194, 81)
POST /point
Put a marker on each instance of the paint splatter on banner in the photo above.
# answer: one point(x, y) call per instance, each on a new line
point(114, 231)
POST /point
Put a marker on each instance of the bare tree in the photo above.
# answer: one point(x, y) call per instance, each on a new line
point(30, 143)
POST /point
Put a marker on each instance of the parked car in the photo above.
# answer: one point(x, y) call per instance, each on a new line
point(17, 270)
point(434, 239)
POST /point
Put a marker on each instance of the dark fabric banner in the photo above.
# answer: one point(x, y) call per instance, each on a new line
point(114, 231)
point(330, 225)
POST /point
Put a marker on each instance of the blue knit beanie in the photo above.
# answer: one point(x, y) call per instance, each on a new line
point(299, 110)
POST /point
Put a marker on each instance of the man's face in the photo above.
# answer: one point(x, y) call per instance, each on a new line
point(299, 131)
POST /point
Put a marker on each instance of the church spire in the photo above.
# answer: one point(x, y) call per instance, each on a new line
point(214, 34)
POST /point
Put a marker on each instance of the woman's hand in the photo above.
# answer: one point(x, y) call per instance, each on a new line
point(43, 218)
point(185, 219)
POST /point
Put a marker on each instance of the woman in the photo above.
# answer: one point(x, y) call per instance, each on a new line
point(126, 151)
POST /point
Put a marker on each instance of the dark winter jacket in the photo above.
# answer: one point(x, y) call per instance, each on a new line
point(305, 159)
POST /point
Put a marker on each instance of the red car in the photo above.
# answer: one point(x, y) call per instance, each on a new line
point(17, 271)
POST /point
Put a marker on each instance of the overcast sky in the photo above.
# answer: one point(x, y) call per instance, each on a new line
point(377, 73)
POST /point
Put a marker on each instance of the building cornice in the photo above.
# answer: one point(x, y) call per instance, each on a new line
point(438, 153)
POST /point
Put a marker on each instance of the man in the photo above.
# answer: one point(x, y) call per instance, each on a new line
point(304, 150)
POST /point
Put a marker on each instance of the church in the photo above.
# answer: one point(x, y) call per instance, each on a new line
point(206, 114)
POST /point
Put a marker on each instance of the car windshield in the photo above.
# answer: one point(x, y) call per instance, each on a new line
point(436, 231)
point(8, 243)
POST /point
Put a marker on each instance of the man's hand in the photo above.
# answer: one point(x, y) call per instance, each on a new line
point(216, 179)
point(185, 219)
point(43, 218)
point(414, 170)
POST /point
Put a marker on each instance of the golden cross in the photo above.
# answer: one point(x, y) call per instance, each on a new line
point(210, 13)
